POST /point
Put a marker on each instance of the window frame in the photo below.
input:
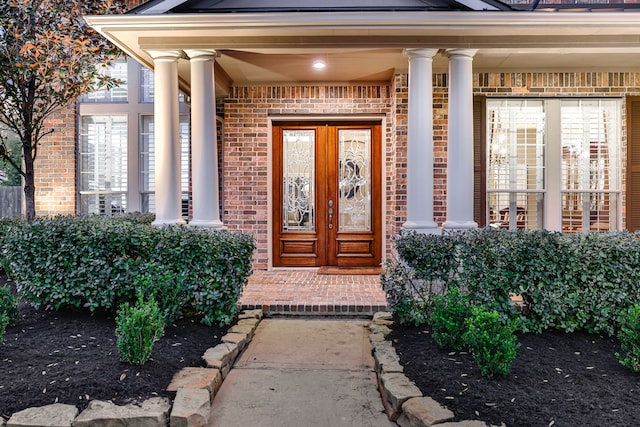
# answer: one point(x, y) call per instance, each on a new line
point(552, 217)
point(134, 108)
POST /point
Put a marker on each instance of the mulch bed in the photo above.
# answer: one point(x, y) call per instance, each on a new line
point(558, 379)
point(72, 358)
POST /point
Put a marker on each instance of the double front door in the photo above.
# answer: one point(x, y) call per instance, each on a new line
point(327, 201)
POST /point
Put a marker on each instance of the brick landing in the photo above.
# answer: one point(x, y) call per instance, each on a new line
point(306, 292)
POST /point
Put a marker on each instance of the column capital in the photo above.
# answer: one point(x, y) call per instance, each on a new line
point(171, 55)
point(201, 53)
point(420, 53)
point(461, 52)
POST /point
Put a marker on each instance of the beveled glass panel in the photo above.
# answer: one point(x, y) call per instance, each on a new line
point(298, 187)
point(354, 180)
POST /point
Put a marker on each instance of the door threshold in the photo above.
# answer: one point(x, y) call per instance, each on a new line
point(332, 270)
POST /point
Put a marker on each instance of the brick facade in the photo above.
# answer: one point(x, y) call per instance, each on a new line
point(247, 147)
point(55, 166)
point(247, 168)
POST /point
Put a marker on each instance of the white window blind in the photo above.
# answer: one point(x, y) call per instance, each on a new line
point(103, 164)
point(147, 163)
point(543, 151)
point(590, 164)
point(516, 164)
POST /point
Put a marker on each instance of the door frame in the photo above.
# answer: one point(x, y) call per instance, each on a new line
point(381, 118)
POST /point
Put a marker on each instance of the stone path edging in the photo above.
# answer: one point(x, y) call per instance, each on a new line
point(195, 389)
point(403, 401)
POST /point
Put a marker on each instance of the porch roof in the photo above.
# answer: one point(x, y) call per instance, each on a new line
point(280, 46)
point(327, 6)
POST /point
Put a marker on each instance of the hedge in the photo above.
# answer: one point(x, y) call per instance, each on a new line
point(91, 263)
point(569, 282)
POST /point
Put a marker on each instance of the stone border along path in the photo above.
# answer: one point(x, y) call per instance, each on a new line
point(402, 399)
point(195, 389)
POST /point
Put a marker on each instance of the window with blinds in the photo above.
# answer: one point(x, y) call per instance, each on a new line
point(590, 165)
point(147, 164)
point(146, 85)
point(553, 164)
point(117, 70)
point(103, 164)
point(516, 163)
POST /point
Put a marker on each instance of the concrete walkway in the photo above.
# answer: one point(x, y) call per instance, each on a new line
point(302, 372)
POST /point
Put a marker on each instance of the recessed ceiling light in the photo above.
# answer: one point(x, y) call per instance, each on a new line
point(319, 64)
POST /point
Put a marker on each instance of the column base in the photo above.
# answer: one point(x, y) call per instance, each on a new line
point(459, 225)
point(204, 223)
point(163, 222)
point(427, 227)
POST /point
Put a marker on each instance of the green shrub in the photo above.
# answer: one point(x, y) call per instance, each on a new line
point(4, 322)
point(165, 287)
point(491, 341)
point(409, 298)
point(448, 318)
point(96, 263)
point(8, 310)
point(138, 327)
point(629, 336)
point(8, 305)
point(568, 282)
point(7, 226)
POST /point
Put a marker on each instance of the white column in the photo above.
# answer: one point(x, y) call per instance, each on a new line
point(420, 142)
point(204, 149)
point(167, 138)
point(460, 147)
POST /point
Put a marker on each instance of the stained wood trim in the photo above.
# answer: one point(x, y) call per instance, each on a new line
point(632, 207)
point(479, 160)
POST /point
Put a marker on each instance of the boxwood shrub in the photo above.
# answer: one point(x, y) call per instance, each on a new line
point(95, 263)
point(582, 281)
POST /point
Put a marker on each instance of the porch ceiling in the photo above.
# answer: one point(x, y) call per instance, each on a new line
point(278, 47)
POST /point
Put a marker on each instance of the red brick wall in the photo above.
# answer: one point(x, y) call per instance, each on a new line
point(55, 166)
point(246, 162)
point(246, 140)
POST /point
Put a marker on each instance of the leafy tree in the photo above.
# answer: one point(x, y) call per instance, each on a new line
point(48, 57)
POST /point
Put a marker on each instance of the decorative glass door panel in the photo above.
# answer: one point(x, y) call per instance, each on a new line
point(298, 186)
point(354, 178)
point(327, 202)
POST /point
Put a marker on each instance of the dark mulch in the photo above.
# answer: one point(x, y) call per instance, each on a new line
point(71, 358)
point(558, 379)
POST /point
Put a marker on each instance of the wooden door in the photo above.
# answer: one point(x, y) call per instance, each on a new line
point(327, 194)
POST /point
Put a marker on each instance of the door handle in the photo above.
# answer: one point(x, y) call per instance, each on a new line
point(330, 214)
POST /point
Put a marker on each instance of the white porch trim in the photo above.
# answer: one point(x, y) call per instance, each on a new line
point(204, 141)
point(460, 145)
point(420, 143)
point(167, 138)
